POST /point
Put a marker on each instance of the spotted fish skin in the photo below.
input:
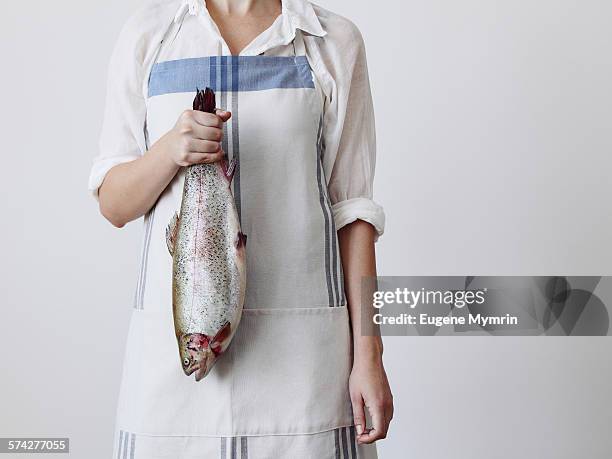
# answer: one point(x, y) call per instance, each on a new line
point(209, 267)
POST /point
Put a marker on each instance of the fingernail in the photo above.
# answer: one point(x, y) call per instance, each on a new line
point(359, 429)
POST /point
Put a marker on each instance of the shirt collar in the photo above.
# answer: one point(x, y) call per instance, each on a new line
point(302, 16)
point(298, 13)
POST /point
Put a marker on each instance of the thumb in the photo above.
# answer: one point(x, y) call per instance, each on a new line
point(223, 114)
point(358, 413)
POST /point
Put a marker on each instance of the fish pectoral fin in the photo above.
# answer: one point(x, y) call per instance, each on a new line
point(229, 168)
point(171, 231)
point(216, 345)
point(241, 240)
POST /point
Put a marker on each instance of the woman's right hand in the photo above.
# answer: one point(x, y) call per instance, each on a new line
point(196, 138)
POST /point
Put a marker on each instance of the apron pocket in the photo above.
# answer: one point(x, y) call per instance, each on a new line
point(285, 372)
point(290, 371)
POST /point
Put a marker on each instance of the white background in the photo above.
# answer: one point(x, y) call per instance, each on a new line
point(494, 149)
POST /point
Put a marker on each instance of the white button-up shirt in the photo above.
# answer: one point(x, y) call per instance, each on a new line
point(336, 53)
point(302, 130)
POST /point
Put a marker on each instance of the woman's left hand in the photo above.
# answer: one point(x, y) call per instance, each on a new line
point(369, 387)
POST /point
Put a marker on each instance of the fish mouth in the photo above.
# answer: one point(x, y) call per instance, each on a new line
point(199, 351)
point(199, 368)
point(201, 372)
point(190, 370)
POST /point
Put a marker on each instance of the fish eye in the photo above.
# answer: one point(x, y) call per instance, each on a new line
point(185, 361)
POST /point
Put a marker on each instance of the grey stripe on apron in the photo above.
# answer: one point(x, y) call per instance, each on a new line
point(119, 445)
point(337, 442)
point(341, 440)
point(244, 453)
point(335, 250)
point(125, 445)
point(132, 445)
point(223, 454)
point(235, 130)
point(344, 443)
point(335, 253)
point(233, 448)
point(224, 78)
point(326, 218)
point(344, 300)
point(142, 251)
point(224, 97)
point(353, 442)
point(144, 258)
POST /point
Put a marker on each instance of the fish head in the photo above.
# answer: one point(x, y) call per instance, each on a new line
point(195, 352)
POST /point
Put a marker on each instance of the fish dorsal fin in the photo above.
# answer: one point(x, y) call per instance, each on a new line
point(171, 231)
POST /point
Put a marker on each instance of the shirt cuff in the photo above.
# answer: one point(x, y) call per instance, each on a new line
point(365, 209)
point(101, 168)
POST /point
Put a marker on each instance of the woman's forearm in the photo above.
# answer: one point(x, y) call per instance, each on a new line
point(368, 383)
point(358, 260)
point(130, 189)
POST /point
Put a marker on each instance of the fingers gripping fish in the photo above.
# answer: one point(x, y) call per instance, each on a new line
point(209, 261)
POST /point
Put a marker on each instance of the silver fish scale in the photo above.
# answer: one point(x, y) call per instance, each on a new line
point(206, 283)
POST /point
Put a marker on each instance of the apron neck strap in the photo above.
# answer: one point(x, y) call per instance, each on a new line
point(299, 49)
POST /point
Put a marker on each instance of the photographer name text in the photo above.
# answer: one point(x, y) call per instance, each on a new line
point(453, 298)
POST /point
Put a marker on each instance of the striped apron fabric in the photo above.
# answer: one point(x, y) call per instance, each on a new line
point(335, 444)
point(281, 389)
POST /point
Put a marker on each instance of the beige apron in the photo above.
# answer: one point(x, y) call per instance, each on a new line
point(286, 372)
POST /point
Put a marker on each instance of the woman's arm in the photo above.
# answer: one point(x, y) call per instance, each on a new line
point(368, 382)
point(130, 189)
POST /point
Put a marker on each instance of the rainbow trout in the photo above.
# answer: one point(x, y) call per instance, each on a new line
point(209, 264)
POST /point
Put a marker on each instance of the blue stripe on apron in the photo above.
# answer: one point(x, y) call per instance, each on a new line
point(257, 73)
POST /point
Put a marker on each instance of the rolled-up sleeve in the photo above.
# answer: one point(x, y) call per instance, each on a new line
point(349, 135)
point(122, 137)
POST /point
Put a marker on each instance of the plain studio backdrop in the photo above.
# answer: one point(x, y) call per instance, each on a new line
point(494, 123)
